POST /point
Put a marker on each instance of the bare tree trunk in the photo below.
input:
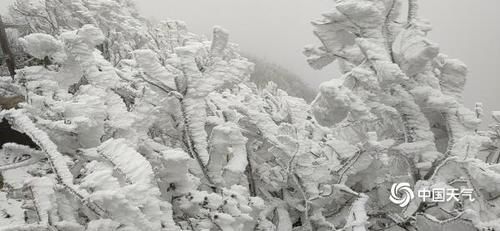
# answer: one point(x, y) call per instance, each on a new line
point(10, 61)
point(4, 42)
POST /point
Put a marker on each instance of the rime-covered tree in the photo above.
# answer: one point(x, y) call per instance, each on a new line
point(174, 136)
point(396, 85)
point(118, 20)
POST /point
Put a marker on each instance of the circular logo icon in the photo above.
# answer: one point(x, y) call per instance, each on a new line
point(401, 194)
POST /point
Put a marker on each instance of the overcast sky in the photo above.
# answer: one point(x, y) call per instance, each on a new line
point(277, 30)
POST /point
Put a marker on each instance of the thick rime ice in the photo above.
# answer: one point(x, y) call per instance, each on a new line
point(43, 45)
point(413, 94)
point(143, 126)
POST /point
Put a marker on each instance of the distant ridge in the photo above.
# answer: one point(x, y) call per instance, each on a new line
point(266, 71)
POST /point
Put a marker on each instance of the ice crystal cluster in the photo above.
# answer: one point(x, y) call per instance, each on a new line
point(141, 126)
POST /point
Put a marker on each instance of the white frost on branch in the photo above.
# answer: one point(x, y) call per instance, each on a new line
point(43, 45)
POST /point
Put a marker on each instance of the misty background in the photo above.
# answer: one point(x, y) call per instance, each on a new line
point(277, 30)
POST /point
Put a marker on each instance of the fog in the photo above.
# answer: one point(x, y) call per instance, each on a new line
point(276, 30)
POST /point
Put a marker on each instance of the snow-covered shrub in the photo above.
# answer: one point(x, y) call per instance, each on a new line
point(396, 85)
point(123, 28)
point(168, 139)
point(151, 127)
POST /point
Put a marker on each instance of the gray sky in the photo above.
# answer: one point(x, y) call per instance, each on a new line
point(277, 30)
